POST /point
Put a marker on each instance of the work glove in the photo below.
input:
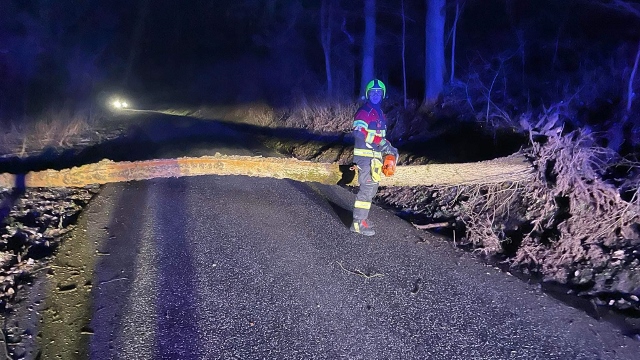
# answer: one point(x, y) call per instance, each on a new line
point(387, 149)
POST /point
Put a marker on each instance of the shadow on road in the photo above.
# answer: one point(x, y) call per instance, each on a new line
point(318, 194)
point(148, 135)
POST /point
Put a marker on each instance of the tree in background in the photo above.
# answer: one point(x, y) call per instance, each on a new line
point(19, 52)
point(403, 53)
point(368, 44)
point(134, 49)
point(434, 51)
point(633, 9)
point(54, 52)
point(454, 31)
point(616, 133)
point(326, 28)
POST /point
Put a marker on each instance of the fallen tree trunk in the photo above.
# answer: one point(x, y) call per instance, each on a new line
point(513, 168)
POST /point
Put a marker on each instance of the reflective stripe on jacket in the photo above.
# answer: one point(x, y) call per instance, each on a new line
point(367, 153)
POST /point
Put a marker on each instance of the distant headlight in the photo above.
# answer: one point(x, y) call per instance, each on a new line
point(119, 104)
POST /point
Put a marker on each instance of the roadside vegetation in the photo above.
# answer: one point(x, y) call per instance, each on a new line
point(54, 129)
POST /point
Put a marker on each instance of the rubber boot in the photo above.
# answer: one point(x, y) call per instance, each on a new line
point(362, 227)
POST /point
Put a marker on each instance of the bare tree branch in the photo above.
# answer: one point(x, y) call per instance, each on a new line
point(628, 7)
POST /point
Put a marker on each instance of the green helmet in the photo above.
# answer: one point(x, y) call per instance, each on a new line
point(375, 84)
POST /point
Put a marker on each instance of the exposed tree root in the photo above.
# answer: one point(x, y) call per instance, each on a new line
point(569, 224)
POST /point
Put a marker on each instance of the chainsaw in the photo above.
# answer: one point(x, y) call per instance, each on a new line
point(389, 165)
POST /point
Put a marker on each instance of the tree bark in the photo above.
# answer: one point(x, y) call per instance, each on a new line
point(513, 168)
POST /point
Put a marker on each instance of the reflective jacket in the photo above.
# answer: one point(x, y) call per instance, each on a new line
point(369, 131)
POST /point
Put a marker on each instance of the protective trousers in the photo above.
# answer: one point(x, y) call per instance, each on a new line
point(368, 186)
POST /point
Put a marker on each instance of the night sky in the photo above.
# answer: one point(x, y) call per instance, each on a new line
point(211, 52)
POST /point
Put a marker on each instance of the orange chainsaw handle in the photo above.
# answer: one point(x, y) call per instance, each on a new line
point(389, 165)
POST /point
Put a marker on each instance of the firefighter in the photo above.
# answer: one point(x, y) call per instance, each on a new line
point(369, 131)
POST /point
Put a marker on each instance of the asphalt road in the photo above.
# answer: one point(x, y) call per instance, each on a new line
point(245, 268)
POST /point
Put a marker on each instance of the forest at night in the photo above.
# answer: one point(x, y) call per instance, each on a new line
point(527, 54)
